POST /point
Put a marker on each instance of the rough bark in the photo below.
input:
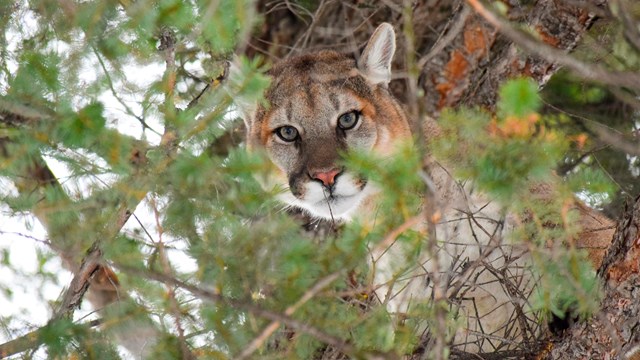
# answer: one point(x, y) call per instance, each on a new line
point(615, 330)
point(463, 60)
point(481, 59)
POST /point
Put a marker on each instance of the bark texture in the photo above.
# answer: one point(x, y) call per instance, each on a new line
point(462, 60)
point(615, 330)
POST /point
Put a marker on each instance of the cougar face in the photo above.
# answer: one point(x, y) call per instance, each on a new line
point(321, 105)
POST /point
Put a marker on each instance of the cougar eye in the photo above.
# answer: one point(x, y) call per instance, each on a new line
point(287, 133)
point(348, 120)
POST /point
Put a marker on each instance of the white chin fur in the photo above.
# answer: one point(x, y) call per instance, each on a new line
point(344, 201)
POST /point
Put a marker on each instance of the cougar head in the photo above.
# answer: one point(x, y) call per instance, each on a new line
point(319, 106)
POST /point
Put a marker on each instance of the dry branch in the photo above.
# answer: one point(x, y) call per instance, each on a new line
point(274, 325)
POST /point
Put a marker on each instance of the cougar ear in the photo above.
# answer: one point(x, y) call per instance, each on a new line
point(375, 61)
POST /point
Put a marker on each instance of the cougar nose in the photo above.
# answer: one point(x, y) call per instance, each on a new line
point(327, 177)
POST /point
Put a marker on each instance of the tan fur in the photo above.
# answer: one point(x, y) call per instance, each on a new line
point(310, 92)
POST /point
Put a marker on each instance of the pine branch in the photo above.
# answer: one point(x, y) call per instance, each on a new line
point(285, 319)
point(33, 339)
point(274, 325)
point(71, 300)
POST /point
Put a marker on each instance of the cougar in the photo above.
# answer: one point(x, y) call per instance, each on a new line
point(322, 104)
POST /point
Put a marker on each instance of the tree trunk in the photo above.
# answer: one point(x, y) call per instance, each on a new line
point(463, 60)
point(615, 330)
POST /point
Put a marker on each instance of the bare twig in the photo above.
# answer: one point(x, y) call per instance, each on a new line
point(413, 96)
point(304, 40)
point(432, 209)
point(445, 40)
point(166, 268)
point(216, 82)
point(292, 8)
point(391, 237)
point(117, 97)
point(497, 355)
point(566, 168)
point(605, 133)
point(431, 213)
point(614, 139)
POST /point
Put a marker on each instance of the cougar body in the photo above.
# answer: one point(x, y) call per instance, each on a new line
point(322, 104)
